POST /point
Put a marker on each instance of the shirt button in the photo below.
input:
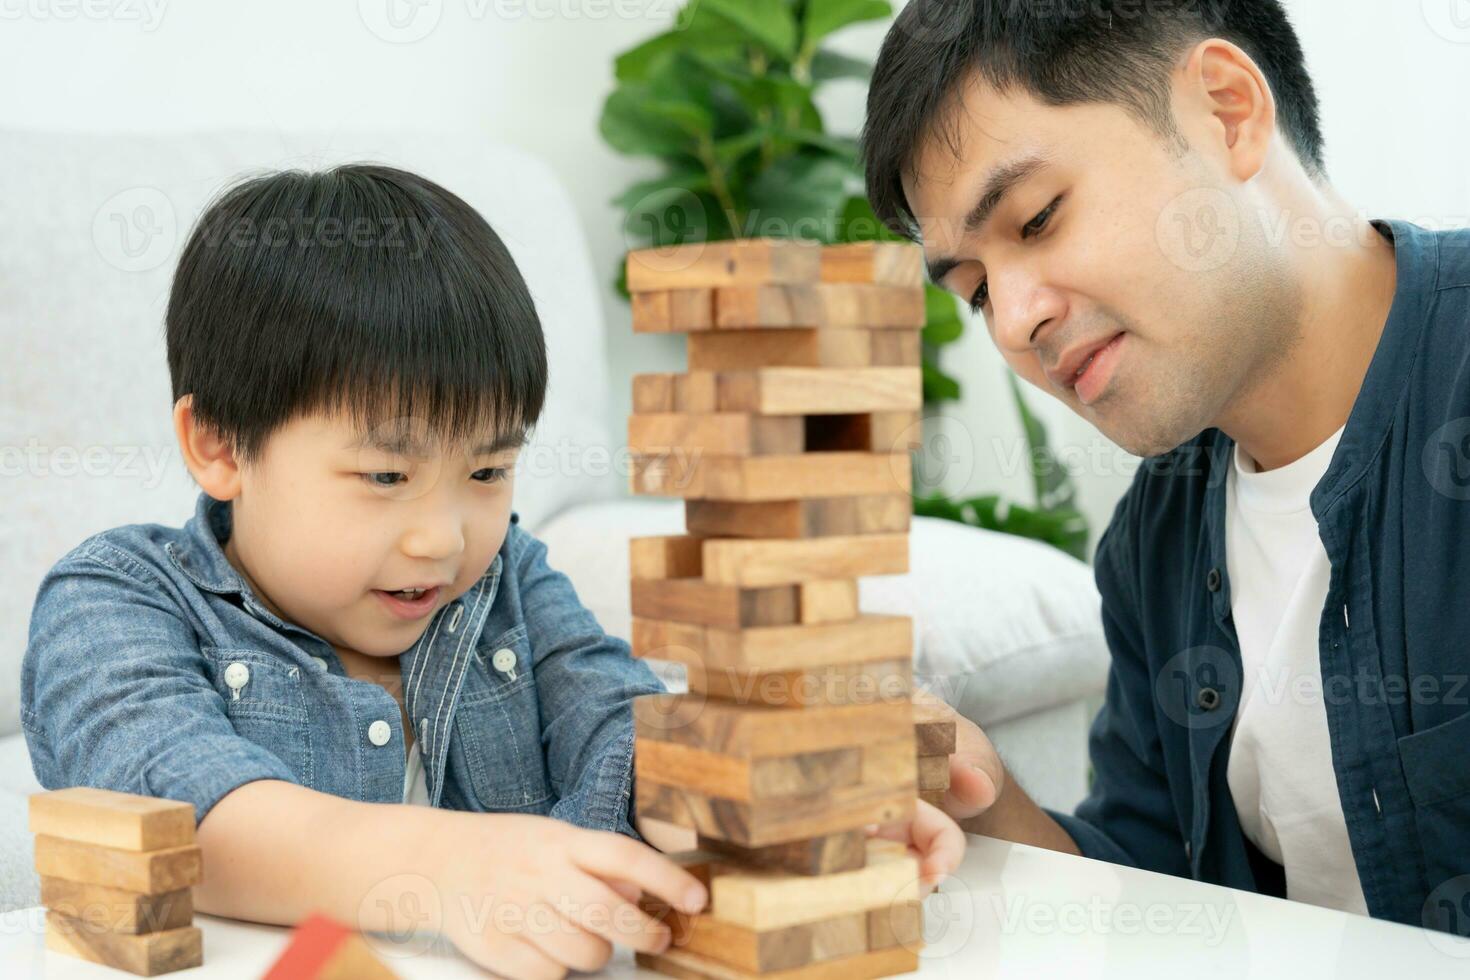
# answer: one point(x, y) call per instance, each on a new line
point(1212, 580)
point(504, 660)
point(321, 662)
point(379, 732)
point(1208, 698)
point(237, 675)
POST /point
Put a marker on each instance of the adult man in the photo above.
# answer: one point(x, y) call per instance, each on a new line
point(1134, 195)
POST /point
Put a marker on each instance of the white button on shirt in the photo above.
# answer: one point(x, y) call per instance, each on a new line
point(379, 732)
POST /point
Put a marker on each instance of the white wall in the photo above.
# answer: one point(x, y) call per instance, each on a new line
point(534, 72)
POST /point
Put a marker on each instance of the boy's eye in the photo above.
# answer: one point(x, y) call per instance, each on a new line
point(385, 480)
point(489, 474)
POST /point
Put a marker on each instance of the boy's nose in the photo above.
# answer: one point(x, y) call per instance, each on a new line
point(434, 538)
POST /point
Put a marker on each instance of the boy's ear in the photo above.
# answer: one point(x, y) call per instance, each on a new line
point(211, 460)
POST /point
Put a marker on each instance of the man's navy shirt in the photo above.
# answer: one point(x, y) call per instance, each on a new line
point(1393, 512)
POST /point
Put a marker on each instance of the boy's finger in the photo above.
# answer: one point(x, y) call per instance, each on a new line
point(613, 857)
point(625, 923)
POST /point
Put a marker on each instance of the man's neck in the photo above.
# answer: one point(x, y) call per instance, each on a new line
point(1347, 289)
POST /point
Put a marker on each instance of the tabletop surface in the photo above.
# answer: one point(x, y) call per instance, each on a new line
point(1010, 911)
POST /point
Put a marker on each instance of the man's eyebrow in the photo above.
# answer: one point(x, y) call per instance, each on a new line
point(1002, 180)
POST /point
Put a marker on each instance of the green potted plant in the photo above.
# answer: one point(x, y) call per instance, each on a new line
point(724, 101)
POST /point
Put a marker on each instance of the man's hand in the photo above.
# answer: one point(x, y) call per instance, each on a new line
point(976, 774)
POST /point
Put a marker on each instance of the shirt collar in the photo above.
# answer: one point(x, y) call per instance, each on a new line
point(200, 555)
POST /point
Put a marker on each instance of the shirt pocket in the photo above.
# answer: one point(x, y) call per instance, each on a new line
point(265, 703)
point(1436, 765)
point(498, 727)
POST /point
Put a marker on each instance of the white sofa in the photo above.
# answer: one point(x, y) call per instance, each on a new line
point(93, 223)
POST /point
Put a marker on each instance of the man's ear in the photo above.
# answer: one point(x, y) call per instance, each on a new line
point(1228, 108)
point(211, 460)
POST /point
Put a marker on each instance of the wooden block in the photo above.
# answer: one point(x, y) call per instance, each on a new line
point(830, 685)
point(776, 821)
point(700, 265)
point(146, 955)
point(760, 900)
point(752, 731)
point(933, 772)
point(102, 816)
point(321, 948)
point(722, 434)
point(835, 601)
point(876, 432)
point(934, 797)
point(748, 350)
point(825, 855)
point(819, 391)
point(763, 952)
point(825, 305)
point(895, 348)
point(149, 872)
point(117, 910)
point(653, 393)
point(665, 556)
point(732, 561)
point(748, 780)
point(934, 729)
point(693, 600)
point(870, 637)
point(893, 263)
point(889, 763)
point(875, 963)
point(770, 478)
point(674, 311)
point(823, 517)
point(899, 924)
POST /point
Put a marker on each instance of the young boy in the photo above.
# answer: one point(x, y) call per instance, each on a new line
point(353, 619)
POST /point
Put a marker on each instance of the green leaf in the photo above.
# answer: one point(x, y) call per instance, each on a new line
point(943, 325)
point(829, 66)
point(1052, 482)
point(687, 180)
point(845, 148)
point(938, 386)
point(799, 197)
point(825, 16)
point(860, 224)
point(768, 22)
point(638, 121)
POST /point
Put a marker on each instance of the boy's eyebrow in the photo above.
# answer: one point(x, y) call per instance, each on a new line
point(402, 444)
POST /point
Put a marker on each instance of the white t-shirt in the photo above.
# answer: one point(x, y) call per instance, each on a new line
point(1280, 771)
point(415, 789)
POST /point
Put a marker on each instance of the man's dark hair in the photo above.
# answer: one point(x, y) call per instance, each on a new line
point(1065, 52)
point(364, 290)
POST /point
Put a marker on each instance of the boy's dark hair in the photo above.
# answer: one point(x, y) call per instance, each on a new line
point(363, 289)
point(1065, 52)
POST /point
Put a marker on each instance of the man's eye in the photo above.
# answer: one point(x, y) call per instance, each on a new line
point(1036, 224)
point(489, 474)
point(981, 297)
point(386, 480)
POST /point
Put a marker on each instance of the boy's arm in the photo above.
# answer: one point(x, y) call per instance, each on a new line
point(585, 682)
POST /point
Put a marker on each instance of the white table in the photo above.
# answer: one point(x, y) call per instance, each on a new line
point(1010, 911)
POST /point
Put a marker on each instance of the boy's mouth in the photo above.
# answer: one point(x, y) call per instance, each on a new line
point(409, 603)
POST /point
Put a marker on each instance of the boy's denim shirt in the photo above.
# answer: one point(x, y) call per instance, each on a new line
point(152, 668)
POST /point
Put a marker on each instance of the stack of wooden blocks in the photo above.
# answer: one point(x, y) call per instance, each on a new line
point(117, 871)
point(789, 439)
point(934, 733)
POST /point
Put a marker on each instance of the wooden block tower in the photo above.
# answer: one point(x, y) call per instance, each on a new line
point(117, 871)
point(789, 439)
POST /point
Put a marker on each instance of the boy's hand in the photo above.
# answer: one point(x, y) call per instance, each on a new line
point(934, 838)
point(532, 897)
point(976, 774)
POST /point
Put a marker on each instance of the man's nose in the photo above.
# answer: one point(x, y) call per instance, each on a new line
point(1022, 307)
